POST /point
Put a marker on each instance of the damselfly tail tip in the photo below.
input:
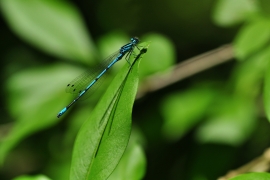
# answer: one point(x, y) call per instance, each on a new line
point(62, 112)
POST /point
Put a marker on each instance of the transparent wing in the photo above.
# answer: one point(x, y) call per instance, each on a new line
point(82, 81)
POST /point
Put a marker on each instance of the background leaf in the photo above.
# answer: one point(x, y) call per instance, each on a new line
point(248, 76)
point(252, 37)
point(33, 94)
point(230, 12)
point(38, 177)
point(132, 165)
point(178, 114)
point(252, 176)
point(161, 56)
point(55, 27)
point(229, 124)
point(265, 7)
point(267, 93)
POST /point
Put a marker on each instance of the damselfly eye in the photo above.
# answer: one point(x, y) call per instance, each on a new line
point(135, 40)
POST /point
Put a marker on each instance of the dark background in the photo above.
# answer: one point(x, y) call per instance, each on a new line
point(189, 26)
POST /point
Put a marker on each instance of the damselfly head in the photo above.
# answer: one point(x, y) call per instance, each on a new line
point(135, 40)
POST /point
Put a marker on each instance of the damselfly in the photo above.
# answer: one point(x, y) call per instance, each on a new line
point(79, 82)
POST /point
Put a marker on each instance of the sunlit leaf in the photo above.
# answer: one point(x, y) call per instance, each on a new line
point(231, 12)
point(132, 165)
point(38, 177)
point(182, 111)
point(160, 57)
point(55, 27)
point(252, 38)
point(266, 93)
point(232, 120)
point(35, 97)
point(248, 75)
point(103, 138)
point(252, 176)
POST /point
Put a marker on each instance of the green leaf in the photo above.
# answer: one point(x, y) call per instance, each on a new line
point(160, 58)
point(265, 7)
point(252, 176)
point(103, 138)
point(266, 93)
point(113, 39)
point(231, 12)
point(248, 75)
point(231, 122)
point(181, 111)
point(35, 97)
point(252, 37)
point(55, 27)
point(133, 163)
point(38, 177)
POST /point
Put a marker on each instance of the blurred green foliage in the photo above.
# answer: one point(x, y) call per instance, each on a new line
point(251, 176)
point(230, 12)
point(38, 177)
point(195, 129)
point(183, 110)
